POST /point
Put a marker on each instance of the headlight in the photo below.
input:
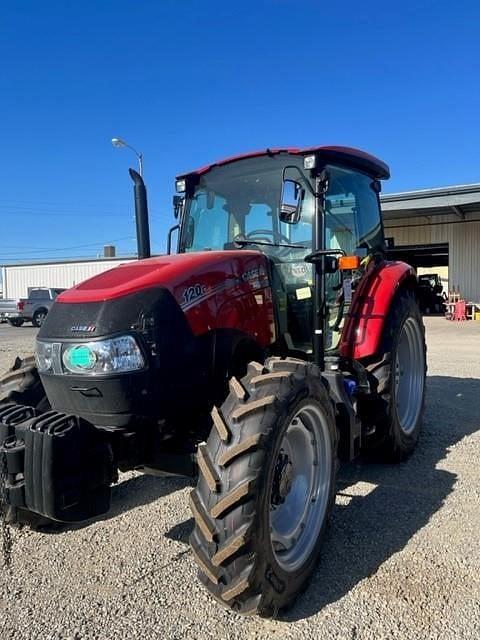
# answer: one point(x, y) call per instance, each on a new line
point(116, 355)
point(44, 356)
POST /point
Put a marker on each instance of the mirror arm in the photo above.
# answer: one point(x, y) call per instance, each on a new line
point(303, 176)
point(178, 202)
point(169, 238)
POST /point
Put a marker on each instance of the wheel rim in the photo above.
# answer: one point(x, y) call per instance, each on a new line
point(40, 318)
point(409, 375)
point(300, 488)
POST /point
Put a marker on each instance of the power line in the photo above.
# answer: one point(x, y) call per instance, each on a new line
point(65, 214)
point(91, 214)
point(59, 259)
point(78, 246)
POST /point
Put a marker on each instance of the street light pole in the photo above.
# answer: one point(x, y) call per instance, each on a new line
point(118, 143)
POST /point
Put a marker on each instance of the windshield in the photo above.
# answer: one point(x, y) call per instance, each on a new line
point(240, 202)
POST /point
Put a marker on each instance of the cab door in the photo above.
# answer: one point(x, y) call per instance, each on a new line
point(297, 276)
point(353, 226)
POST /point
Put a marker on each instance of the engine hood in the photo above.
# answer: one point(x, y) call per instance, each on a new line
point(175, 297)
point(177, 273)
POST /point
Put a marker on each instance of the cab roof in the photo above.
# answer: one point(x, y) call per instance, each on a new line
point(334, 154)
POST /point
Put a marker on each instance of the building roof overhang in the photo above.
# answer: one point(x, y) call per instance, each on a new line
point(457, 200)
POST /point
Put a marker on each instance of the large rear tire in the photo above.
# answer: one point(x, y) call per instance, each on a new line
point(266, 487)
point(398, 373)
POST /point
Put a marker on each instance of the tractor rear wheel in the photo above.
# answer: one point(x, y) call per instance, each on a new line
point(399, 377)
point(266, 487)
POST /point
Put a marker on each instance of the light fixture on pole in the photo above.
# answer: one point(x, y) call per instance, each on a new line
point(118, 143)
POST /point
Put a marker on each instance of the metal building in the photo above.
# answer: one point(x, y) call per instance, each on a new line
point(436, 229)
point(18, 279)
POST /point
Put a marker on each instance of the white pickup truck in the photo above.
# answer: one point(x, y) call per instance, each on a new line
point(10, 312)
point(33, 309)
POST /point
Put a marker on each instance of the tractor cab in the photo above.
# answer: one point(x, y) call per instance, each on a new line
point(307, 211)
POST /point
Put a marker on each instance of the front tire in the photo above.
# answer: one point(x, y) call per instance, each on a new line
point(266, 487)
point(398, 374)
point(22, 385)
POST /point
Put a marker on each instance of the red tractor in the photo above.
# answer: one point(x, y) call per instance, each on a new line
point(276, 341)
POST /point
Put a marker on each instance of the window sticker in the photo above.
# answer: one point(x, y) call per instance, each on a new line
point(303, 293)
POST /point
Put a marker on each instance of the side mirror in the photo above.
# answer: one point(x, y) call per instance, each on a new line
point(178, 205)
point(291, 201)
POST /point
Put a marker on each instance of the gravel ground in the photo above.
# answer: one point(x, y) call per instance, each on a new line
point(401, 559)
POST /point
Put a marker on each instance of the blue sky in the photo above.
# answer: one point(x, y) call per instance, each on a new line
point(189, 82)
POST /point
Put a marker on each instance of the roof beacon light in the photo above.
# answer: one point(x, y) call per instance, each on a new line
point(310, 162)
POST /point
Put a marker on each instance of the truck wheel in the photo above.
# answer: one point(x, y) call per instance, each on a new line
point(22, 385)
point(399, 377)
point(39, 317)
point(266, 487)
point(15, 322)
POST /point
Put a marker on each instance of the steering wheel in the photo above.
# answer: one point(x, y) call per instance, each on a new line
point(267, 232)
point(280, 249)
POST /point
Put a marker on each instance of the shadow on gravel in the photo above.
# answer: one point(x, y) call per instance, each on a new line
point(141, 490)
point(181, 531)
point(129, 494)
point(398, 500)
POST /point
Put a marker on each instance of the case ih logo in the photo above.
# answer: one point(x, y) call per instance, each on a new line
point(83, 328)
point(257, 278)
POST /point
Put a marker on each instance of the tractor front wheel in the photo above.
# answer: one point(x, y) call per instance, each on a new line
point(22, 385)
point(266, 487)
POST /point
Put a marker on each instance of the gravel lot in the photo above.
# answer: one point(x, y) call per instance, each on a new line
point(401, 559)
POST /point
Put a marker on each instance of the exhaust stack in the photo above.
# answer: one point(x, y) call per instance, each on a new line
point(141, 215)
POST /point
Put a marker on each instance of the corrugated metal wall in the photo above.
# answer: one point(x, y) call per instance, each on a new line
point(463, 238)
point(19, 278)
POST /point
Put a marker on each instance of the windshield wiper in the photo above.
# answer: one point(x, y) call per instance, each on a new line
point(243, 243)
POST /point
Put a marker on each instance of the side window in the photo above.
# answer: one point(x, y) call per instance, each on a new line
point(352, 221)
point(352, 211)
point(368, 212)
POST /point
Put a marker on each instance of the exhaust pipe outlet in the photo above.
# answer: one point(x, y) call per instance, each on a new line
point(141, 215)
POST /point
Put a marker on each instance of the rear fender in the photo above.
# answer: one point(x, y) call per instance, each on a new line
point(371, 302)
